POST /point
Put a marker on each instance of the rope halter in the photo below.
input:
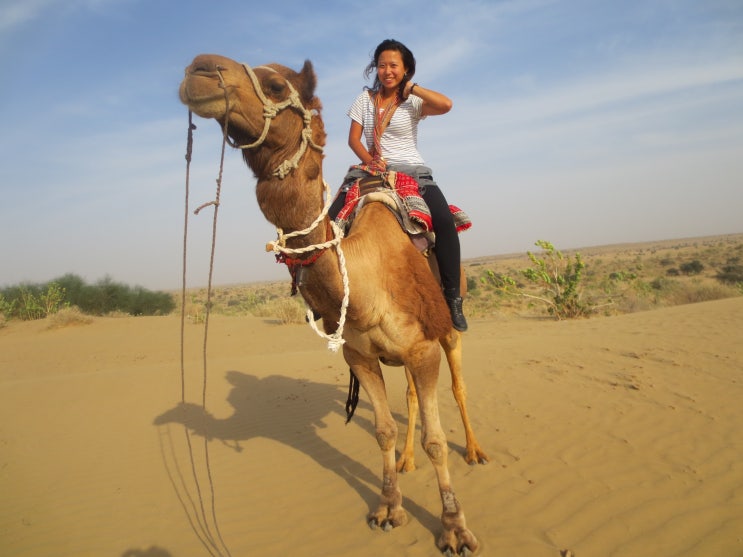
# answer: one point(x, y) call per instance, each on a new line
point(271, 109)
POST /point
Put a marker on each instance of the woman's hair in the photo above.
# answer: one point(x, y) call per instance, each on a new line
point(408, 61)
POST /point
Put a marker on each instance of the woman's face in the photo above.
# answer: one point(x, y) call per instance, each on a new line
point(390, 69)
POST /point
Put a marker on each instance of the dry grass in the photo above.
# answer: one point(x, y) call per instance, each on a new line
point(270, 300)
point(68, 317)
point(617, 279)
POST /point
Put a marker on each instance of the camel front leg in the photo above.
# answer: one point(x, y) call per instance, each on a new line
point(389, 513)
point(406, 462)
point(452, 346)
point(456, 538)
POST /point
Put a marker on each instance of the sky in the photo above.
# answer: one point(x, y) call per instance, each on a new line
point(579, 122)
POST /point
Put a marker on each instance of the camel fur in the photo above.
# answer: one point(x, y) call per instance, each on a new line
point(396, 310)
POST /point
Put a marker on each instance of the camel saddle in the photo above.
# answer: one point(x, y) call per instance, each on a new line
point(400, 193)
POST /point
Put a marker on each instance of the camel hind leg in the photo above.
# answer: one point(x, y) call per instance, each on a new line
point(406, 462)
point(474, 454)
point(453, 350)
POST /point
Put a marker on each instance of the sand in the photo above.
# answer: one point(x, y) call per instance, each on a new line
point(610, 436)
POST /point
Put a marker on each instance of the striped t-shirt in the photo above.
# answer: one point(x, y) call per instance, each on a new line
point(400, 139)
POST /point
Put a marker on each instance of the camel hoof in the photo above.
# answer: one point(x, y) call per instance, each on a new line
point(404, 467)
point(458, 543)
point(476, 457)
point(465, 552)
point(386, 525)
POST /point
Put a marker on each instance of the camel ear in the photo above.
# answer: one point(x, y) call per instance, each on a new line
point(308, 81)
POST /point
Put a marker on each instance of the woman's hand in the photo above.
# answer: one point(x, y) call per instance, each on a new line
point(434, 103)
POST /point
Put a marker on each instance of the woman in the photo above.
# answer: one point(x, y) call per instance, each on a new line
point(387, 117)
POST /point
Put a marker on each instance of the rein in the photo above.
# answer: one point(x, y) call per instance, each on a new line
point(283, 253)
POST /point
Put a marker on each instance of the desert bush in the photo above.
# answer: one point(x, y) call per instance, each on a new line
point(731, 274)
point(695, 293)
point(67, 317)
point(7, 307)
point(663, 284)
point(30, 305)
point(285, 310)
point(30, 301)
point(497, 281)
point(471, 284)
point(622, 276)
point(106, 297)
point(692, 268)
point(559, 279)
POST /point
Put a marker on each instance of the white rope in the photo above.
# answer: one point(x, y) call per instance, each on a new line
point(270, 110)
point(335, 339)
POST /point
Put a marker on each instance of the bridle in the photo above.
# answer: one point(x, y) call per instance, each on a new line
point(288, 255)
point(271, 109)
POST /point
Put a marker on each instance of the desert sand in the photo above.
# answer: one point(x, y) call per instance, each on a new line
point(609, 436)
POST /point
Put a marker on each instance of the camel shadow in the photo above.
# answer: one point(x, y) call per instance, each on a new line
point(292, 412)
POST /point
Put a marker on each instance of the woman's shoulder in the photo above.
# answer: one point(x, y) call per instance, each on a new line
point(362, 100)
point(365, 95)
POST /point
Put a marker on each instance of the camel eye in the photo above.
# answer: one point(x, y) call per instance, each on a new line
point(276, 87)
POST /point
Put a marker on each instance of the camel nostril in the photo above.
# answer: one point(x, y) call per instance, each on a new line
point(203, 65)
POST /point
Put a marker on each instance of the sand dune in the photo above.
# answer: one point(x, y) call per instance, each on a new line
point(610, 436)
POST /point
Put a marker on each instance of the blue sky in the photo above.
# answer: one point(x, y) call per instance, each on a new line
point(579, 122)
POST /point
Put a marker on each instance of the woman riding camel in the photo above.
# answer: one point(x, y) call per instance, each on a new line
point(387, 116)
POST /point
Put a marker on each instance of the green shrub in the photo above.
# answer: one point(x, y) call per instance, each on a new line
point(29, 301)
point(559, 278)
point(692, 268)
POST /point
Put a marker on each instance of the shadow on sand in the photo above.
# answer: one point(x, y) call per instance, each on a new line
point(290, 411)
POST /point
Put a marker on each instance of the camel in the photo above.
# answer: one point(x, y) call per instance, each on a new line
point(372, 286)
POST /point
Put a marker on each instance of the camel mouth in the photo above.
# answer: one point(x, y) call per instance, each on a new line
point(201, 88)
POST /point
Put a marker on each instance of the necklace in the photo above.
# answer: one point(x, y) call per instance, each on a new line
point(382, 117)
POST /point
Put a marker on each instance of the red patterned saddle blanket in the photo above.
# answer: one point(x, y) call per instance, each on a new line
point(400, 193)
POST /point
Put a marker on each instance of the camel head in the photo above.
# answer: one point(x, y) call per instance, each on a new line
point(272, 115)
point(217, 87)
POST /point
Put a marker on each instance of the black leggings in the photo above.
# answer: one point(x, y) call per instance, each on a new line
point(447, 239)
